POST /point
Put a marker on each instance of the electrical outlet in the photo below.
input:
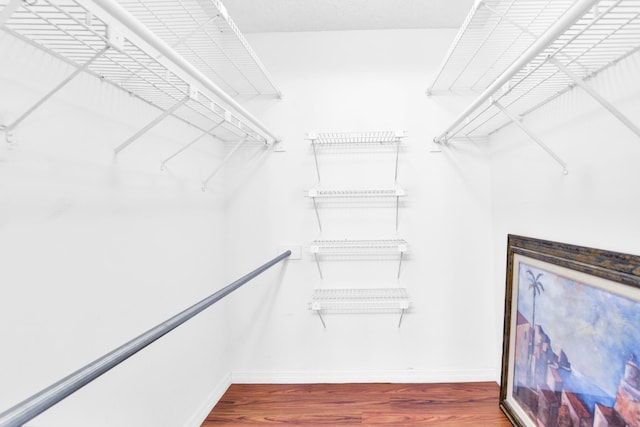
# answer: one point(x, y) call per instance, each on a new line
point(296, 251)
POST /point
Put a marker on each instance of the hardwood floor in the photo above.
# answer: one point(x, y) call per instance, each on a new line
point(457, 404)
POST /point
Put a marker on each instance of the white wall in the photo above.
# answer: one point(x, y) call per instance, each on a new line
point(95, 250)
point(85, 239)
point(358, 81)
point(598, 203)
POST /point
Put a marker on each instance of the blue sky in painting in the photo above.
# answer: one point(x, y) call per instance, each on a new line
point(597, 330)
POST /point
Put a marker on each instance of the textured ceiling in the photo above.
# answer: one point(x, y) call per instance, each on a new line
point(254, 16)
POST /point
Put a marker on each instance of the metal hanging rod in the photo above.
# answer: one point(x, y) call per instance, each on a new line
point(586, 40)
point(77, 30)
point(43, 400)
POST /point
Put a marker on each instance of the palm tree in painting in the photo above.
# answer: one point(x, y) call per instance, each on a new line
point(536, 287)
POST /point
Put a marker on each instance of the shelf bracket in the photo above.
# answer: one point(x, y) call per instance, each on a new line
point(318, 264)
point(56, 89)
point(531, 135)
point(154, 122)
point(324, 325)
point(395, 174)
point(224, 162)
point(8, 10)
point(595, 95)
point(315, 206)
point(401, 316)
point(397, 210)
point(202, 135)
point(315, 157)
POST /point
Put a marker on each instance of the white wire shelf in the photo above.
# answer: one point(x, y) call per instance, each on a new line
point(361, 194)
point(493, 35)
point(203, 33)
point(366, 300)
point(358, 138)
point(87, 37)
point(329, 193)
point(362, 247)
point(599, 37)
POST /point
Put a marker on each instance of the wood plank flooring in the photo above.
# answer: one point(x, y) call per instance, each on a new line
point(449, 405)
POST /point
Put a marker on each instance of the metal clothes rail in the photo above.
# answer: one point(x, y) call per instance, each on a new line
point(43, 400)
point(103, 39)
point(587, 38)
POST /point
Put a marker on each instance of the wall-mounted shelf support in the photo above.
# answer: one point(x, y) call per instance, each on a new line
point(532, 136)
point(315, 153)
point(315, 208)
point(368, 300)
point(395, 173)
point(223, 162)
point(152, 124)
point(55, 90)
point(198, 138)
point(317, 258)
point(595, 95)
point(358, 247)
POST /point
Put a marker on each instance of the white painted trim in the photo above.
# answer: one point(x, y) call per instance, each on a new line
point(401, 376)
point(201, 413)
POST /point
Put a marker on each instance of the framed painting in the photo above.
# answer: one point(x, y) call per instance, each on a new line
point(571, 350)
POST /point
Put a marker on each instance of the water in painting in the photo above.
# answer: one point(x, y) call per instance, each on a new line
point(575, 352)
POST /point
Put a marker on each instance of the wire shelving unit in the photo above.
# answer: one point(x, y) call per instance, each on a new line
point(363, 248)
point(527, 65)
point(356, 140)
point(365, 300)
point(494, 34)
point(204, 34)
point(361, 194)
point(99, 37)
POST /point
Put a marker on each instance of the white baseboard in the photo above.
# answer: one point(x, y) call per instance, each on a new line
point(205, 408)
point(405, 376)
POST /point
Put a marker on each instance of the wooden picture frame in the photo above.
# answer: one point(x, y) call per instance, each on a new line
point(571, 349)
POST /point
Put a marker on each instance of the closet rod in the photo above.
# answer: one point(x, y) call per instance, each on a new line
point(136, 27)
point(573, 14)
point(46, 398)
